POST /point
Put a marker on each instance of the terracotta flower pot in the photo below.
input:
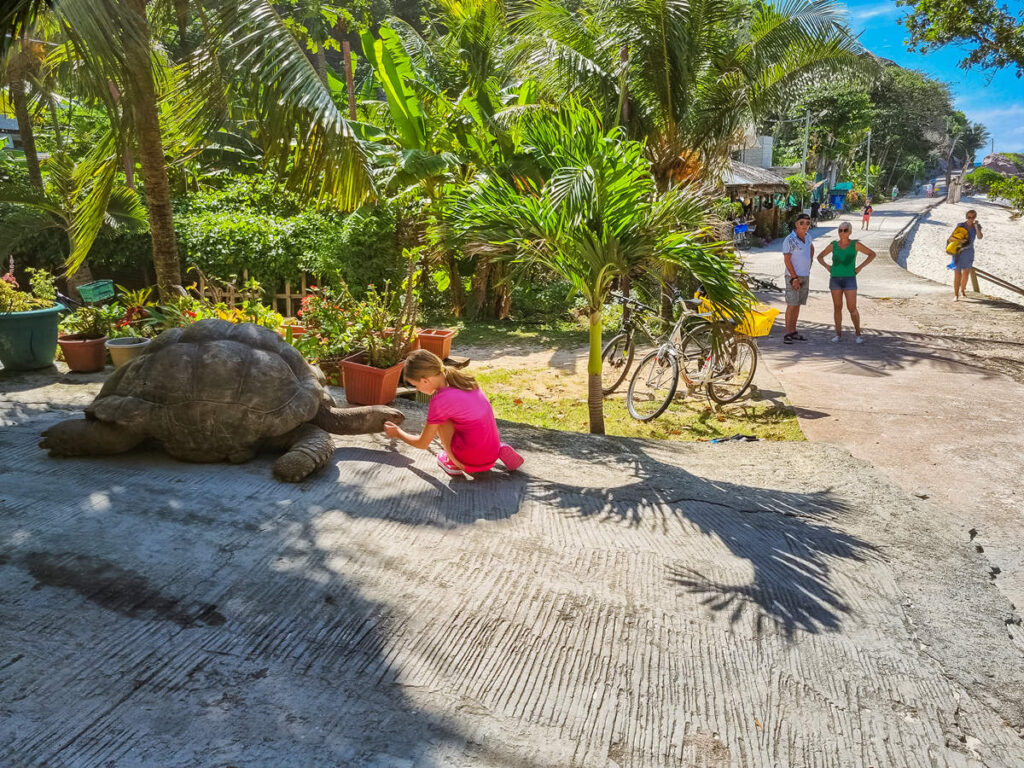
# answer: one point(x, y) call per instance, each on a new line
point(296, 329)
point(366, 385)
point(437, 340)
point(333, 371)
point(83, 355)
point(126, 348)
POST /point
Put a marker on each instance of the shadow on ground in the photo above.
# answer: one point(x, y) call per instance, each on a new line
point(784, 536)
point(885, 352)
point(254, 633)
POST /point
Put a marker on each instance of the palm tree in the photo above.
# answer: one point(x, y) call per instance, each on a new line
point(247, 62)
point(596, 218)
point(689, 77)
point(58, 206)
point(22, 62)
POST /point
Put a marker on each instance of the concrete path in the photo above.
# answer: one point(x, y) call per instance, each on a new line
point(617, 603)
point(934, 398)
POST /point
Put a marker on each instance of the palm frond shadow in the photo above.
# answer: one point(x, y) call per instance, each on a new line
point(786, 537)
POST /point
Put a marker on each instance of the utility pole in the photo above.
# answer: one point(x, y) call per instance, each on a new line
point(807, 133)
point(867, 167)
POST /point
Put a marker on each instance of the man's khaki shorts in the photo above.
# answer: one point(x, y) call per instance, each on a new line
point(794, 297)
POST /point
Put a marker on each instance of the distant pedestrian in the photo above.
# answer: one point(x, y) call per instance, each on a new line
point(964, 258)
point(895, 192)
point(797, 252)
point(928, 189)
point(843, 273)
point(865, 221)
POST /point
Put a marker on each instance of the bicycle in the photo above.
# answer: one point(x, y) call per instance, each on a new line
point(723, 367)
point(617, 355)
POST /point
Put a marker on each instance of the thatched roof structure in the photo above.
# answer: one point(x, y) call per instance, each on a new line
point(742, 180)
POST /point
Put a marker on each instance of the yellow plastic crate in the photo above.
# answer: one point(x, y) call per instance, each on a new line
point(757, 322)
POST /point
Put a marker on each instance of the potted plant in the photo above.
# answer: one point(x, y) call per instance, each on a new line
point(84, 337)
point(328, 318)
point(385, 324)
point(129, 336)
point(28, 321)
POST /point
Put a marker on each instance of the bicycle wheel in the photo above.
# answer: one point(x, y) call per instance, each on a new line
point(653, 385)
point(694, 352)
point(616, 360)
point(734, 367)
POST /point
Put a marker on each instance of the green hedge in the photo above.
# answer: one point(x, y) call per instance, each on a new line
point(983, 178)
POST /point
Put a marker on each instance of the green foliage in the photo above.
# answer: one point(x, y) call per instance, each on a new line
point(93, 322)
point(328, 314)
point(43, 287)
point(1011, 189)
point(983, 178)
point(994, 36)
point(14, 300)
point(800, 186)
point(251, 224)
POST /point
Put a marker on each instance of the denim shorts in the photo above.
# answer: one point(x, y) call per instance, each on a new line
point(842, 283)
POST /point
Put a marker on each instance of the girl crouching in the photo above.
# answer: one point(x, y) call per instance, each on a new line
point(459, 413)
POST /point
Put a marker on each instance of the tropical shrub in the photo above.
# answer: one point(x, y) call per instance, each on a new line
point(1011, 189)
point(983, 178)
point(328, 314)
point(251, 224)
point(41, 295)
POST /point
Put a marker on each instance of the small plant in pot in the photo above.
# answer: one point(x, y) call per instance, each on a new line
point(84, 336)
point(28, 321)
point(386, 323)
point(129, 334)
point(328, 315)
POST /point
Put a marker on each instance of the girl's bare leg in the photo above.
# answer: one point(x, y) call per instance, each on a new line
point(851, 305)
point(445, 432)
point(837, 311)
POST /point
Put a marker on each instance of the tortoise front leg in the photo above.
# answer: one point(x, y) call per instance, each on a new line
point(88, 437)
point(309, 449)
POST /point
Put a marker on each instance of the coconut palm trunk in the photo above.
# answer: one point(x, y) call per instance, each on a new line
point(151, 157)
point(28, 139)
point(595, 397)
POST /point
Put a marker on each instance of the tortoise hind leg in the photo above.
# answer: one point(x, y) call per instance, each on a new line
point(88, 437)
point(309, 449)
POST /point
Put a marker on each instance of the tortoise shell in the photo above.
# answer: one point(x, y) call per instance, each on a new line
point(213, 390)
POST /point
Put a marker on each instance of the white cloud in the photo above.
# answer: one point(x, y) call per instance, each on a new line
point(867, 13)
point(1014, 110)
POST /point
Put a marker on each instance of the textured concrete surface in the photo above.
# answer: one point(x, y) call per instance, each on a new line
point(617, 603)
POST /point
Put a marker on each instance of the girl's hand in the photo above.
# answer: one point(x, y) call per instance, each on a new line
point(390, 429)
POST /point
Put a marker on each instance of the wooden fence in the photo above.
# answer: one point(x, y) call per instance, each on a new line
point(218, 291)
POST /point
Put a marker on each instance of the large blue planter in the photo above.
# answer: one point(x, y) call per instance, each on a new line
point(28, 340)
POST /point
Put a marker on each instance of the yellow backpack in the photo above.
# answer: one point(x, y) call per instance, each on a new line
point(957, 241)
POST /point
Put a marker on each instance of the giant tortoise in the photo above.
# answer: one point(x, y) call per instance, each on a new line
point(217, 391)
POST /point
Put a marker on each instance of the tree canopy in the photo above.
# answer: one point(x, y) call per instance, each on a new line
point(993, 33)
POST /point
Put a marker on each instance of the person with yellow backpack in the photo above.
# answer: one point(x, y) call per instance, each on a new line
point(960, 246)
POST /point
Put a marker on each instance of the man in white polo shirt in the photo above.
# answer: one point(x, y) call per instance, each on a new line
point(798, 252)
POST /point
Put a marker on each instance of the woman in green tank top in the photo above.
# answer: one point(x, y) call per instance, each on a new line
point(843, 276)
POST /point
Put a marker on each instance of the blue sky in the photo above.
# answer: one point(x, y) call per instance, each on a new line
point(995, 99)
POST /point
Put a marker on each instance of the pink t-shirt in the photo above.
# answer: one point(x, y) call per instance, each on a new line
point(475, 442)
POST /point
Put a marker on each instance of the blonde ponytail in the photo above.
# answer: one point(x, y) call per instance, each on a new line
point(422, 363)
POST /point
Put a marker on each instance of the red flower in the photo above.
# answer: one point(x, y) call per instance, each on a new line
point(190, 313)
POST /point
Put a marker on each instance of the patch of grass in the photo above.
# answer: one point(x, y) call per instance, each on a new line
point(557, 400)
point(498, 334)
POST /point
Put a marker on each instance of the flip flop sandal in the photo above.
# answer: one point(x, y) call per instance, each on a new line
point(798, 337)
point(446, 464)
point(788, 338)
